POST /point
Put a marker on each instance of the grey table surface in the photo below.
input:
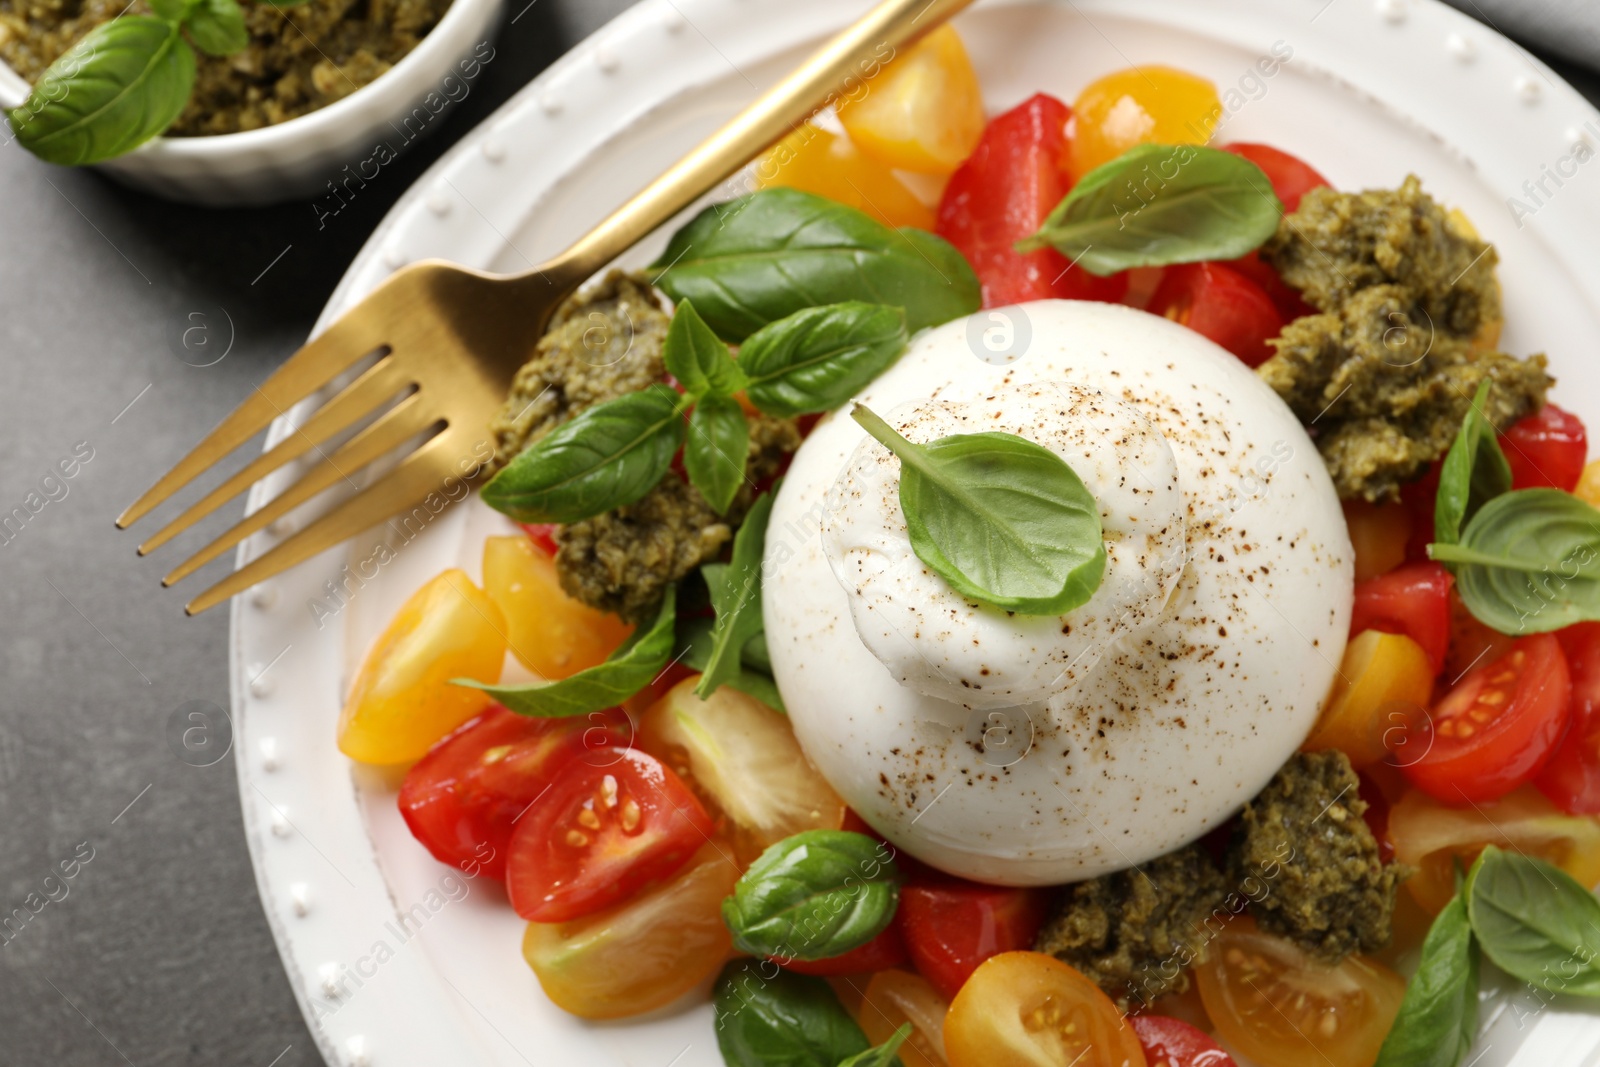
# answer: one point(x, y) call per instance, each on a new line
point(156, 951)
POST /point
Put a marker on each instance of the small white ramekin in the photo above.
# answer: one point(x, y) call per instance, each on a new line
point(295, 160)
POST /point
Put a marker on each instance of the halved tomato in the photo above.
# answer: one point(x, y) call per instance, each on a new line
point(1027, 1009)
point(1174, 1043)
point(1572, 777)
point(1291, 176)
point(1222, 305)
point(1276, 1005)
point(1381, 692)
point(894, 998)
point(924, 111)
point(549, 632)
point(1497, 727)
point(607, 828)
point(1379, 533)
point(886, 950)
point(819, 161)
point(463, 798)
point(1546, 449)
point(1413, 600)
point(952, 925)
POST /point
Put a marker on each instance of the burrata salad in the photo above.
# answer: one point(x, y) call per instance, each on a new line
point(1035, 588)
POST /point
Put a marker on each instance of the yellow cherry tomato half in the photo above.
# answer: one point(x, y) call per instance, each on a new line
point(894, 998)
point(1383, 687)
point(1379, 533)
point(642, 954)
point(402, 700)
point(923, 112)
point(1588, 487)
point(818, 161)
point(1027, 1009)
point(551, 634)
point(1281, 1008)
point(1140, 105)
point(1431, 838)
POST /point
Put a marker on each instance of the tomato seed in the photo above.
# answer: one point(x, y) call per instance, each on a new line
point(629, 817)
point(608, 791)
point(589, 819)
point(577, 838)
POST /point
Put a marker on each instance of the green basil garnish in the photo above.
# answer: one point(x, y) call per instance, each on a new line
point(753, 677)
point(120, 85)
point(217, 27)
point(736, 595)
point(1535, 922)
point(718, 449)
point(1475, 471)
point(634, 665)
point(606, 457)
point(818, 358)
point(1438, 1019)
point(883, 1055)
point(1528, 562)
point(1156, 205)
point(765, 256)
point(693, 355)
point(814, 896)
point(769, 1017)
point(1005, 521)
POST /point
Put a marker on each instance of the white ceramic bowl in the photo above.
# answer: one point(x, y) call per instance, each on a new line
point(297, 159)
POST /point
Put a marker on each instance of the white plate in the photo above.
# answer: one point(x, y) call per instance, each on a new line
point(1370, 92)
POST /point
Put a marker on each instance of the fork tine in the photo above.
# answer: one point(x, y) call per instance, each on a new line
point(423, 473)
point(403, 421)
point(332, 351)
point(377, 384)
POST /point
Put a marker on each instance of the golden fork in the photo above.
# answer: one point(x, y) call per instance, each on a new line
point(456, 338)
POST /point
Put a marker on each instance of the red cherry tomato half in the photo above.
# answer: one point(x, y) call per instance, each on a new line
point(1413, 600)
point(952, 925)
point(1220, 303)
point(1572, 777)
point(543, 536)
point(1377, 814)
point(608, 828)
point(1002, 194)
point(1420, 498)
point(462, 798)
point(1546, 450)
point(886, 950)
point(1174, 1043)
point(1290, 176)
point(1497, 727)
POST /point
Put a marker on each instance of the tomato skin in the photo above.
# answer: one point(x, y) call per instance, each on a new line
point(923, 112)
point(818, 161)
point(1291, 177)
point(886, 950)
point(952, 925)
point(462, 799)
point(1413, 600)
point(1220, 304)
point(543, 536)
point(1546, 450)
point(1174, 1043)
point(1572, 777)
point(606, 828)
point(1497, 727)
point(1002, 194)
point(1152, 104)
point(1025, 1009)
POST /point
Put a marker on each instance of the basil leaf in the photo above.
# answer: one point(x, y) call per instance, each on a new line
point(762, 257)
point(814, 896)
point(173, 10)
point(717, 450)
point(693, 355)
point(634, 665)
point(736, 595)
point(1535, 922)
point(754, 675)
point(881, 1055)
point(1438, 1018)
point(1528, 562)
point(770, 1017)
point(217, 27)
point(820, 357)
point(123, 83)
point(1004, 521)
point(1474, 472)
point(607, 456)
point(1160, 204)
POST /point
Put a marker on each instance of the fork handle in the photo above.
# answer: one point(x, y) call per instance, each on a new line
point(856, 52)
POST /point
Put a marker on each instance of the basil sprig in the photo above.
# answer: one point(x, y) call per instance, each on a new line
point(125, 81)
point(770, 1017)
point(1438, 1019)
point(1004, 521)
point(693, 355)
point(765, 256)
point(819, 357)
point(753, 677)
point(1156, 205)
point(718, 450)
point(634, 665)
point(813, 896)
point(1474, 472)
point(1535, 922)
point(735, 590)
point(1528, 562)
point(883, 1055)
